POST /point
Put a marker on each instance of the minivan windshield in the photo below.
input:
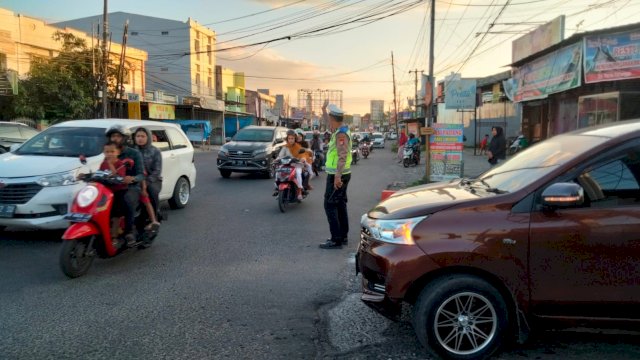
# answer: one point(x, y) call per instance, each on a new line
point(538, 161)
point(257, 135)
point(65, 141)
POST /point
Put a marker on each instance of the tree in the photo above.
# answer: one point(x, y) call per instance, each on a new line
point(64, 87)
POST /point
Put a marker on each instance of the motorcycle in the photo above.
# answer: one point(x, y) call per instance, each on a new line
point(411, 156)
point(287, 189)
point(355, 154)
point(318, 161)
point(94, 230)
point(518, 144)
point(365, 149)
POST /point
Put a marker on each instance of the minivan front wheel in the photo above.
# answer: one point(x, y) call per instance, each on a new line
point(181, 194)
point(225, 173)
point(460, 317)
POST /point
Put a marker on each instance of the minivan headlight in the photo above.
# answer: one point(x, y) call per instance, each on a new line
point(223, 152)
point(392, 231)
point(60, 179)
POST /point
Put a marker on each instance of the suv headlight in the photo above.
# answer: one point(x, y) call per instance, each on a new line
point(392, 231)
point(259, 152)
point(223, 152)
point(61, 179)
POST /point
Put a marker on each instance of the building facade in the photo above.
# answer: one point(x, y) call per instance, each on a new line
point(377, 113)
point(262, 106)
point(167, 42)
point(24, 39)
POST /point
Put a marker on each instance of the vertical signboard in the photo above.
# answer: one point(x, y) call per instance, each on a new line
point(446, 151)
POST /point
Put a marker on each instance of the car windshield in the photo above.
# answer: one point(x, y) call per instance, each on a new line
point(65, 141)
point(537, 161)
point(258, 135)
point(377, 136)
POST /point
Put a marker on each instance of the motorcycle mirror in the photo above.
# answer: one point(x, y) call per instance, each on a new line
point(83, 160)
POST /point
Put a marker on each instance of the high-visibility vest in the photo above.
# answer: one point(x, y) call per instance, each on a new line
point(331, 164)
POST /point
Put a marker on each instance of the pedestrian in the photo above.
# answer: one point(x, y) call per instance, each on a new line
point(497, 147)
point(338, 168)
point(483, 144)
point(401, 142)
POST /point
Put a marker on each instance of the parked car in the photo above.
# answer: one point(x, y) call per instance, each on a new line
point(551, 234)
point(393, 136)
point(14, 133)
point(251, 150)
point(38, 179)
point(378, 140)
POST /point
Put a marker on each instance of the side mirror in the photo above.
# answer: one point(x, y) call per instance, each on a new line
point(83, 160)
point(279, 141)
point(14, 147)
point(128, 163)
point(227, 139)
point(563, 195)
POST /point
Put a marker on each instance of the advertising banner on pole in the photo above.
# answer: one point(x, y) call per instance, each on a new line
point(446, 146)
point(611, 57)
point(558, 71)
point(460, 94)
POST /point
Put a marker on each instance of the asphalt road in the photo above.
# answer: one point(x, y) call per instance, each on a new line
point(229, 277)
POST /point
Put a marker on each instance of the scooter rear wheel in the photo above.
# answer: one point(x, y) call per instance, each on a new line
point(283, 196)
point(76, 257)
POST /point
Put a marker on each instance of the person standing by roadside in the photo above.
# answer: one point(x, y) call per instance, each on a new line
point(497, 146)
point(401, 142)
point(338, 167)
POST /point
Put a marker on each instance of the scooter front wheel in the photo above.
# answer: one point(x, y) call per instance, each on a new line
point(406, 162)
point(283, 199)
point(76, 257)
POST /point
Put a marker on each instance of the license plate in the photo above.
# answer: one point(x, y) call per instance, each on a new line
point(77, 217)
point(7, 211)
point(238, 162)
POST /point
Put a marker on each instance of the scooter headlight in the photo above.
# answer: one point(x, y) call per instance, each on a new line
point(87, 196)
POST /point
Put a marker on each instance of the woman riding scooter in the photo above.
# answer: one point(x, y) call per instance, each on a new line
point(292, 149)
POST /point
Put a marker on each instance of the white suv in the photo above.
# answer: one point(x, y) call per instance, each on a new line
point(37, 180)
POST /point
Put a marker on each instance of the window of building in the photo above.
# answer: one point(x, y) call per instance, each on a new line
point(209, 84)
point(209, 54)
point(197, 47)
point(134, 33)
point(198, 79)
point(165, 33)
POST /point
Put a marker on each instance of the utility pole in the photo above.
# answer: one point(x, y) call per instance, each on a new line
point(429, 117)
point(123, 53)
point(395, 104)
point(105, 59)
point(416, 92)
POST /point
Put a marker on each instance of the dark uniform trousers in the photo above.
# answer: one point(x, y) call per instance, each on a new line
point(335, 206)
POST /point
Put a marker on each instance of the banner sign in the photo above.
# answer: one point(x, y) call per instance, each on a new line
point(162, 111)
point(446, 149)
point(558, 71)
point(460, 94)
point(539, 39)
point(611, 57)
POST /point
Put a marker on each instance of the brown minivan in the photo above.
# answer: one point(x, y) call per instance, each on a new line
point(551, 234)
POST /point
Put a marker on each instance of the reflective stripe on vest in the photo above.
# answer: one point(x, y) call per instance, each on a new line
point(331, 165)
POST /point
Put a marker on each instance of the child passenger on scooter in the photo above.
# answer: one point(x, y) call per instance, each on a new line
point(113, 164)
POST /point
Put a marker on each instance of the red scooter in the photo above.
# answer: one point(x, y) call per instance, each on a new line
point(94, 230)
point(287, 190)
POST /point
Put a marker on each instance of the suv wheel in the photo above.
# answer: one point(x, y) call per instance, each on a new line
point(271, 173)
point(181, 194)
point(460, 317)
point(225, 173)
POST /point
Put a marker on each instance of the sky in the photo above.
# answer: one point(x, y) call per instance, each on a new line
point(346, 44)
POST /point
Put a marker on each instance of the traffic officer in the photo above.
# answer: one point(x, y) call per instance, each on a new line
point(338, 168)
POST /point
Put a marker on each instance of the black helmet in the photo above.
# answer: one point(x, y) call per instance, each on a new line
point(122, 130)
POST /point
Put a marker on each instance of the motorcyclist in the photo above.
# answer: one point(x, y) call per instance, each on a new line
point(300, 138)
point(415, 143)
point(130, 197)
point(152, 159)
point(292, 149)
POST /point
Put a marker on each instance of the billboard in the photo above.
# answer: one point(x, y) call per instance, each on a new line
point(460, 94)
point(162, 111)
point(555, 72)
point(539, 39)
point(612, 57)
